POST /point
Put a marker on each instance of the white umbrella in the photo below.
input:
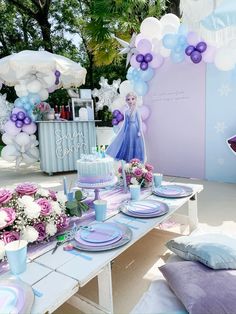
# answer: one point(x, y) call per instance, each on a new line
point(40, 71)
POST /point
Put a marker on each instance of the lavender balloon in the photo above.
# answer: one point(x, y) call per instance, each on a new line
point(148, 57)
point(201, 47)
point(196, 56)
point(189, 50)
point(27, 120)
point(120, 117)
point(20, 115)
point(13, 117)
point(114, 121)
point(140, 58)
point(115, 113)
point(144, 66)
point(19, 124)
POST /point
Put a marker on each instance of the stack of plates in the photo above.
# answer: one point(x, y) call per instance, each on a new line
point(144, 208)
point(102, 237)
point(173, 191)
point(16, 296)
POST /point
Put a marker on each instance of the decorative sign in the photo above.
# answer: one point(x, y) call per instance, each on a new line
point(68, 144)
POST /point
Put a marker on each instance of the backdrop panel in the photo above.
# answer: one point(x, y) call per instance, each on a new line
point(175, 139)
point(220, 124)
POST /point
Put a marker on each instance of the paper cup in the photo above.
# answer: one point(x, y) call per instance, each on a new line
point(16, 252)
point(157, 179)
point(100, 207)
point(134, 191)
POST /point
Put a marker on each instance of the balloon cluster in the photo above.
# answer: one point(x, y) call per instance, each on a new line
point(177, 44)
point(195, 52)
point(144, 60)
point(27, 104)
point(20, 118)
point(117, 117)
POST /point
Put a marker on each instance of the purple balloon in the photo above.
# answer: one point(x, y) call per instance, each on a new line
point(13, 117)
point(148, 57)
point(115, 113)
point(140, 58)
point(114, 121)
point(189, 50)
point(196, 56)
point(120, 117)
point(27, 120)
point(144, 66)
point(19, 124)
point(20, 115)
point(201, 47)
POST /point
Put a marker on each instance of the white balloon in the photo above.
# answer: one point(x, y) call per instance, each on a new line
point(151, 27)
point(83, 114)
point(7, 138)
point(170, 18)
point(125, 88)
point(22, 139)
point(225, 59)
point(9, 153)
point(43, 94)
point(49, 80)
point(34, 86)
point(164, 52)
point(156, 45)
point(169, 28)
point(21, 90)
point(32, 156)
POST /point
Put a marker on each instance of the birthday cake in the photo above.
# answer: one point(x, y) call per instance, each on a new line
point(94, 170)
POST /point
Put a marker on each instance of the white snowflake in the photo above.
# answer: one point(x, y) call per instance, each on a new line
point(5, 111)
point(224, 90)
point(220, 127)
point(107, 93)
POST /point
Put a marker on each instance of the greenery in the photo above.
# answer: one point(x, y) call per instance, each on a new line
point(76, 207)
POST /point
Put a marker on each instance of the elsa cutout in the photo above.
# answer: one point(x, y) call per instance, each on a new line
point(129, 142)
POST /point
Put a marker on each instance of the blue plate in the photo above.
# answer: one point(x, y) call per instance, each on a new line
point(173, 191)
point(100, 233)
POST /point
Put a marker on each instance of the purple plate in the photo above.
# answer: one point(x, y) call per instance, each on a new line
point(97, 247)
point(143, 207)
point(173, 191)
point(100, 233)
point(161, 209)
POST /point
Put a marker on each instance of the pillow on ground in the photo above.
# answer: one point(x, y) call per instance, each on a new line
point(214, 250)
point(201, 289)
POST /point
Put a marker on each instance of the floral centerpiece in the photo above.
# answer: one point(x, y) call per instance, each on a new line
point(41, 109)
point(30, 213)
point(137, 173)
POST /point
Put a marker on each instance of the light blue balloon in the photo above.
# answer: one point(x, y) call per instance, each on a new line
point(182, 40)
point(177, 57)
point(141, 87)
point(24, 99)
point(147, 75)
point(170, 41)
point(34, 98)
point(27, 106)
point(183, 30)
point(178, 49)
point(18, 103)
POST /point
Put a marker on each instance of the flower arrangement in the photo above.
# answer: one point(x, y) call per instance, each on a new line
point(41, 108)
point(137, 173)
point(30, 213)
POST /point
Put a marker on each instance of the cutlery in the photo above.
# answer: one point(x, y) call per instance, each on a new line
point(74, 250)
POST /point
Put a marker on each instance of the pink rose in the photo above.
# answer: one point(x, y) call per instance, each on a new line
point(41, 228)
point(5, 196)
point(26, 188)
point(148, 176)
point(120, 169)
point(149, 167)
point(11, 215)
point(138, 172)
point(128, 178)
point(9, 236)
point(135, 161)
point(45, 205)
point(63, 222)
point(53, 195)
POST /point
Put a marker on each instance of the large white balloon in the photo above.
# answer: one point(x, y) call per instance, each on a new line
point(126, 87)
point(7, 138)
point(34, 87)
point(151, 27)
point(22, 139)
point(225, 59)
point(32, 156)
point(21, 90)
point(170, 19)
point(9, 153)
point(43, 94)
point(169, 28)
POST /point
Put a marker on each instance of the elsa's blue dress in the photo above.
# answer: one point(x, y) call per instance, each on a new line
point(127, 144)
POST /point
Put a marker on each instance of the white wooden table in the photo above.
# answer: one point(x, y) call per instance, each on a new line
point(67, 272)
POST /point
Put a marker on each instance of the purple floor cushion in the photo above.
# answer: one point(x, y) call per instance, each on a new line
point(202, 290)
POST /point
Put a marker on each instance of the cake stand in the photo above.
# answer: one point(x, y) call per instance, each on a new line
point(97, 186)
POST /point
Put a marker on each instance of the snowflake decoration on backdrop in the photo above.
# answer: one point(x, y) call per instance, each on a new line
point(224, 90)
point(220, 127)
point(5, 111)
point(107, 93)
